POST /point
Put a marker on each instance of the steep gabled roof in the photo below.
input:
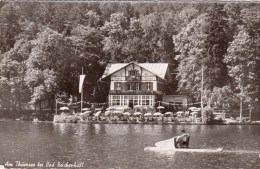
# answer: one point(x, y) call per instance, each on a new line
point(113, 67)
point(158, 69)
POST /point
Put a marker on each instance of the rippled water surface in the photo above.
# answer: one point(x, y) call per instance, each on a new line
point(122, 145)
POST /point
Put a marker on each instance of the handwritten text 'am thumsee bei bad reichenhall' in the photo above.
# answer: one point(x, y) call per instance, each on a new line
point(22, 164)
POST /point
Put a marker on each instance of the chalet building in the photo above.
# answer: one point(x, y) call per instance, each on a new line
point(136, 83)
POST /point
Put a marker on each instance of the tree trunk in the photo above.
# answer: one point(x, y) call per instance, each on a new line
point(14, 110)
point(52, 105)
point(35, 107)
point(241, 108)
point(9, 102)
point(40, 107)
point(19, 103)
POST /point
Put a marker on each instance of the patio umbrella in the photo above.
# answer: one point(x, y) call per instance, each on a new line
point(64, 108)
point(137, 113)
point(86, 112)
point(157, 114)
point(160, 107)
point(145, 107)
point(148, 114)
point(192, 108)
point(117, 113)
point(138, 106)
point(195, 109)
point(126, 114)
point(169, 113)
point(110, 108)
point(127, 108)
point(98, 114)
point(108, 113)
point(85, 109)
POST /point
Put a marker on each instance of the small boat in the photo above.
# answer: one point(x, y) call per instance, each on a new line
point(170, 146)
point(195, 150)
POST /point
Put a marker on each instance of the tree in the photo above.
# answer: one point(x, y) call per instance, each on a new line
point(9, 26)
point(249, 16)
point(115, 30)
point(92, 19)
point(13, 74)
point(107, 9)
point(187, 14)
point(203, 42)
point(87, 44)
point(243, 64)
point(233, 12)
point(46, 66)
point(224, 98)
point(133, 47)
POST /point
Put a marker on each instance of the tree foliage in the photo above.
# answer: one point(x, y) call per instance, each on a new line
point(203, 43)
point(243, 63)
point(45, 45)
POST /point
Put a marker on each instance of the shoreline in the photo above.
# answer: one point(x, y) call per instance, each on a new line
point(147, 120)
point(171, 123)
point(66, 119)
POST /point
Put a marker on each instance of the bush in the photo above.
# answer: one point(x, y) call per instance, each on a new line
point(207, 115)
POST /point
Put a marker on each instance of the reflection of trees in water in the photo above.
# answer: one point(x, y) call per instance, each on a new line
point(61, 127)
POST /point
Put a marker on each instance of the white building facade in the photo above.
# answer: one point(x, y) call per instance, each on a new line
point(136, 83)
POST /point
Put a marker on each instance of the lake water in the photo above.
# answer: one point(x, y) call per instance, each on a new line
point(122, 145)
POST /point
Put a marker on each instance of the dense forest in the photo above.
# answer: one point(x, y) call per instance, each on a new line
point(44, 46)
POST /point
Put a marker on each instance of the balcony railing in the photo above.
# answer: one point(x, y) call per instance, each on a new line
point(133, 92)
point(133, 78)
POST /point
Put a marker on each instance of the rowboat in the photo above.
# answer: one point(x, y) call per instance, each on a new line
point(195, 150)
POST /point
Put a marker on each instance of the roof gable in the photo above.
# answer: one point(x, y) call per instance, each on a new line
point(158, 69)
point(112, 68)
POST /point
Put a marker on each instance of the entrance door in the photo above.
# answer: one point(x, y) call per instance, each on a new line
point(130, 104)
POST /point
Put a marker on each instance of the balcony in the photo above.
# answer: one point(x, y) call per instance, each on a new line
point(134, 92)
point(133, 78)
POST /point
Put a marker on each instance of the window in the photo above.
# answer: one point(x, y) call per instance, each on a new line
point(117, 85)
point(149, 85)
point(137, 86)
point(129, 86)
point(124, 101)
point(133, 72)
point(116, 100)
point(135, 102)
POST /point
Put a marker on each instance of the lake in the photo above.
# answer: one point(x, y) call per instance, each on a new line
point(122, 145)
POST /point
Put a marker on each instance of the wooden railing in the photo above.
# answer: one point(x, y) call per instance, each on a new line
point(133, 92)
point(133, 78)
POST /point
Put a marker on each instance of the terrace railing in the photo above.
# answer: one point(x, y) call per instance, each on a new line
point(133, 92)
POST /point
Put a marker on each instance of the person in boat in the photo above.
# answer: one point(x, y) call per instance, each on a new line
point(182, 141)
